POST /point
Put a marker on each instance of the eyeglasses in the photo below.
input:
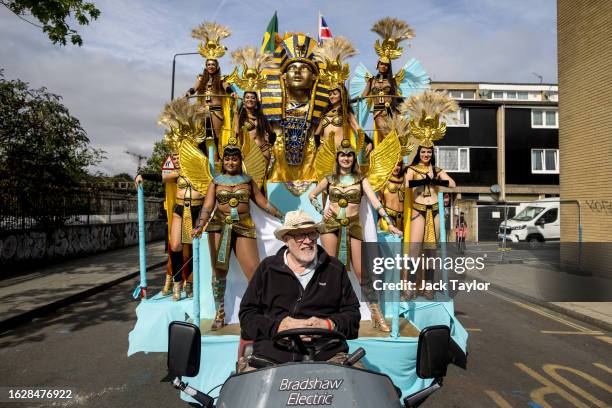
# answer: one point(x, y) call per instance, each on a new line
point(300, 237)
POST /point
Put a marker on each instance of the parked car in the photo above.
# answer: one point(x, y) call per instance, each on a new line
point(536, 223)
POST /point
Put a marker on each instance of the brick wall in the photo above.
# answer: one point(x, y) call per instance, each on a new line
point(585, 118)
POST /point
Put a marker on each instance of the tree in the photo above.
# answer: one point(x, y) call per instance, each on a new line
point(44, 151)
point(154, 166)
point(53, 15)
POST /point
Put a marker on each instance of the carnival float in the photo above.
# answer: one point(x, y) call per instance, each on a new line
point(268, 138)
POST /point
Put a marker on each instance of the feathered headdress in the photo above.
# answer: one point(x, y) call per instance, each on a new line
point(210, 34)
point(393, 31)
point(401, 126)
point(183, 121)
point(425, 110)
point(253, 63)
point(332, 53)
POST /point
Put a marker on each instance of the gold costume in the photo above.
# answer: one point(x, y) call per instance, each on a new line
point(345, 226)
point(395, 185)
point(231, 224)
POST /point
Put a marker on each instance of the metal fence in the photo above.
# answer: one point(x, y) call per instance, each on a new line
point(21, 212)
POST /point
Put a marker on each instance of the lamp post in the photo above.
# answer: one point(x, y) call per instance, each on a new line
point(174, 69)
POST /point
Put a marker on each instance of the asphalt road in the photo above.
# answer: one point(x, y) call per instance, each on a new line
point(520, 356)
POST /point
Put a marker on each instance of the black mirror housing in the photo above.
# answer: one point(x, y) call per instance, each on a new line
point(184, 344)
point(433, 352)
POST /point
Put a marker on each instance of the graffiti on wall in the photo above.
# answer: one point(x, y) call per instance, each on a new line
point(74, 241)
point(600, 206)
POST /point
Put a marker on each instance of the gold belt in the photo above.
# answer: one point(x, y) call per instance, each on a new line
point(191, 201)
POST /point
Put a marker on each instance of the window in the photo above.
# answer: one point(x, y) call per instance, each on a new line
point(549, 216)
point(520, 95)
point(453, 159)
point(461, 118)
point(541, 118)
point(545, 161)
point(462, 94)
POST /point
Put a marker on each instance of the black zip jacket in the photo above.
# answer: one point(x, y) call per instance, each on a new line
point(275, 293)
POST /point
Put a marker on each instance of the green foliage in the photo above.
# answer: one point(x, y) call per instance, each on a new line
point(53, 14)
point(44, 151)
point(154, 166)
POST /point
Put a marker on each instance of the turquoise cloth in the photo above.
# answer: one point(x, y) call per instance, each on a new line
point(285, 201)
point(153, 316)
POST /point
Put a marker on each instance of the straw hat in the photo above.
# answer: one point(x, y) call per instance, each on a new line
point(297, 221)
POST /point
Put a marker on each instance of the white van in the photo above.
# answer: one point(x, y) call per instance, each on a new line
point(537, 222)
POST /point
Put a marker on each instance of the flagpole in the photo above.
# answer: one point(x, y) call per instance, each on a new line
point(319, 28)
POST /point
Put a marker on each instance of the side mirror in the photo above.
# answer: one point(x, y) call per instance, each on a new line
point(433, 352)
point(184, 343)
point(436, 349)
point(540, 221)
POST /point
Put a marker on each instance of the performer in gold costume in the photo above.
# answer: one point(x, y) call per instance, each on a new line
point(338, 119)
point(392, 193)
point(346, 186)
point(392, 199)
point(422, 176)
point(211, 89)
point(382, 90)
point(250, 119)
point(186, 124)
point(226, 212)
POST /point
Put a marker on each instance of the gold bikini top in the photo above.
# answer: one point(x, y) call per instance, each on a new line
point(381, 87)
point(394, 186)
point(333, 117)
point(344, 197)
point(233, 198)
point(249, 125)
point(420, 171)
point(182, 182)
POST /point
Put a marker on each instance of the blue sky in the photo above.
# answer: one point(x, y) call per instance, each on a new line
point(117, 83)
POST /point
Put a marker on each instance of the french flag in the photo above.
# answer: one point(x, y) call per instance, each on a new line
point(324, 31)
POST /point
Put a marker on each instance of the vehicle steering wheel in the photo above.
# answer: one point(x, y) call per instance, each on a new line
point(291, 341)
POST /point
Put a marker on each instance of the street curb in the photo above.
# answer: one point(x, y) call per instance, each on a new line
point(550, 306)
point(17, 320)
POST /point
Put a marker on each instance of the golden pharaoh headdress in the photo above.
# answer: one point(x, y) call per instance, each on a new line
point(253, 63)
point(210, 34)
point(393, 31)
point(296, 47)
point(425, 110)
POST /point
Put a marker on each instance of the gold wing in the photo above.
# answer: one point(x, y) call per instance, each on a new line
point(233, 77)
point(383, 159)
point(399, 78)
point(254, 161)
point(195, 166)
point(326, 158)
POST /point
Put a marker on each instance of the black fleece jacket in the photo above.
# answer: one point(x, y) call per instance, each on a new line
point(275, 293)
